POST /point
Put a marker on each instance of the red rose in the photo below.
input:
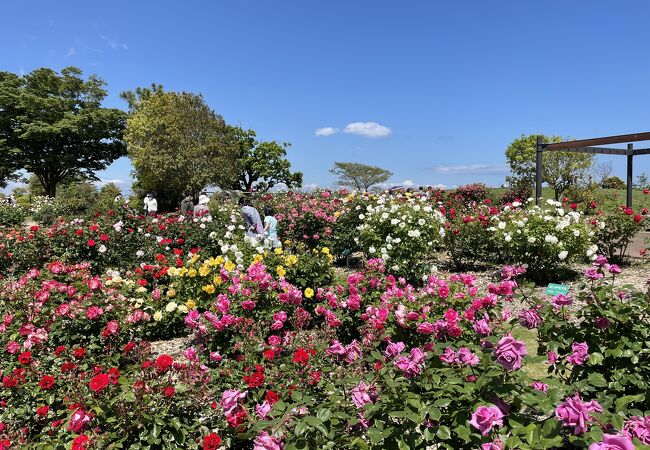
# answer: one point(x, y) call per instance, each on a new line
point(79, 232)
point(79, 353)
point(638, 218)
point(43, 410)
point(211, 441)
point(301, 356)
point(99, 382)
point(163, 363)
point(268, 354)
point(169, 391)
point(103, 237)
point(60, 349)
point(113, 375)
point(25, 358)
point(129, 346)
point(256, 379)
point(91, 243)
point(47, 382)
point(271, 397)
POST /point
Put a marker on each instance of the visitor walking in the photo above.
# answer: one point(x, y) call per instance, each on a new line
point(202, 208)
point(271, 227)
point(152, 205)
point(146, 204)
point(187, 205)
point(252, 220)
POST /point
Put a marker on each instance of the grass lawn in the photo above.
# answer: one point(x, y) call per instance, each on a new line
point(529, 337)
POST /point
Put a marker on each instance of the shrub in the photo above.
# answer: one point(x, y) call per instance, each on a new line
point(11, 215)
point(615, 231)
point(471, 193)
point(613, 183)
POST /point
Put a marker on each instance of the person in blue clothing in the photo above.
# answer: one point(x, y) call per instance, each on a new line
point(271, 227)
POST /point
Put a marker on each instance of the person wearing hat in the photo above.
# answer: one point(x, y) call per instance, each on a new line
point(202, 208)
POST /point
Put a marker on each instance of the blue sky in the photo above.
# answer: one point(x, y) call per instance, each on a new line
point(433, 91)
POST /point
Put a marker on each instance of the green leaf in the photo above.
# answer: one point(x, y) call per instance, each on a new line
point(596, 379)
point(443, 433)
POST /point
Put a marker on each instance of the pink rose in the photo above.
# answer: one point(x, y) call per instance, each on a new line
point(465, 356)
point(394, 349)
point(562, 300)
point(263, 410)
point(248, 305)
point(574, 412)
point(529, 318)
point(482, 327)
point(580, 353)
point(539, 386)
point(426, 328)
point(494, 445)
point(361, 394)
point(448, 356)
point(485, 418)
point(509, 352)
point(613, 442)
point(230, 400)
point(264, 441)
point(638, 427)
point(551, 357)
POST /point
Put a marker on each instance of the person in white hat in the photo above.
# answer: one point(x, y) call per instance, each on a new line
point(202, 208)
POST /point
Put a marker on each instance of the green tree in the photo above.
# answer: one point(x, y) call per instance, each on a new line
point(359, 176)
point(178, 144)
point(561, 170)
point(261, 164)
point(613, 183)
point(53, 125)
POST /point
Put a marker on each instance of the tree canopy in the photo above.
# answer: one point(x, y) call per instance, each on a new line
point(53, 126)
point(261, 165)
point(561, 170)
point(177, 145)
point(359, 176)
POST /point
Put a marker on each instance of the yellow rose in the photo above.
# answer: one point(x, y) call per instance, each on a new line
point(190, 304)
point(182, 271)
point(209, 288)
point(204, 271)
point(229, 266)
point(277, 251)
point(257, 258)
point(280, 271)
point(219, 260)
point(325, 250)
point(191, 273)
point(217, 280)
point(171, 293)
point(309, 292)
point(157, 316)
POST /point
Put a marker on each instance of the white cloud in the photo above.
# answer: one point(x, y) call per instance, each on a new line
point(309, 187)
point(367, 129)
point(326, 131)
point(109, 181)
point(71, 52)
point(471, 168)
point(114, 43)
point(408, 183)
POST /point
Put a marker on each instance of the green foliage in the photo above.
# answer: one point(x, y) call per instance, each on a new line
point(176, 142)
point(359, 176)
point(261, 165)
point(53, 126)
point(613, 182)
point(615, 231)
point(11, 215)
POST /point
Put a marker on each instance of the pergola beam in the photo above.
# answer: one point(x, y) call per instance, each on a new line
point(600, 150)
point(620, 139)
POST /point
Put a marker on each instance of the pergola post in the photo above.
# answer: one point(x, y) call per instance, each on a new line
point(630, 174)
point(538, 170)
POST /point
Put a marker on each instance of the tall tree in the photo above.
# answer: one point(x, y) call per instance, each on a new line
point(53, 125)
point(561, 170)
point(262, 165)
point(178, 144)
point(359, 176)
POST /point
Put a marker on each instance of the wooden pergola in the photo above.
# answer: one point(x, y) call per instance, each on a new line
point(589, 146)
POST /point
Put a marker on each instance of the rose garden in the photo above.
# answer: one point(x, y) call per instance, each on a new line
point(438, 335)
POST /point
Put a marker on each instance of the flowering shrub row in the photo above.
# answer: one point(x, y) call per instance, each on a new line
point(371, 362)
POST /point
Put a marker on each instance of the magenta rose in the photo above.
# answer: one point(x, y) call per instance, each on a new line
point(482, 327)
point(580, 353)
point(529, 318)
point(265, 441)
point(485, 418)
point(509, 352)
point(573, 412)
point(465, 356)
point(448, 356)
point(638, 427)
point(613, 442)
point(393, 349)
